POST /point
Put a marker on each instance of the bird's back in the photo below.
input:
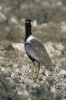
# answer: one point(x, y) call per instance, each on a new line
point(41, 52)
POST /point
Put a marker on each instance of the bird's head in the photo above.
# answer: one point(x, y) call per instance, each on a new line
point(28, 25)
point(28, 22)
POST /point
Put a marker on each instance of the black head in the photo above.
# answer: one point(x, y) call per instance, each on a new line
point(28, 21)
point(28, 25)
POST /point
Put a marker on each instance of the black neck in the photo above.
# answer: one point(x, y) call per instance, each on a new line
point(27, 30)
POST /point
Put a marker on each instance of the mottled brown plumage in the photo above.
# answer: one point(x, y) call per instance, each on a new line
point(41, 53)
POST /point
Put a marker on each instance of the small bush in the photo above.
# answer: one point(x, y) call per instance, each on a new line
point(8, 91)
point(42, 93)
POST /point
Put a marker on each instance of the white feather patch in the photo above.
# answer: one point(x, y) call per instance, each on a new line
point(30, 38)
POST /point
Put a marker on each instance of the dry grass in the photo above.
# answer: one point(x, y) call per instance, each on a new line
point(16, 34)
point(43, 14)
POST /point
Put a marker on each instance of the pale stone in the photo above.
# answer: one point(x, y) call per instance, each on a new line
point(16, 46)
point(2, 68)
point(13, 20)
point(2, 17)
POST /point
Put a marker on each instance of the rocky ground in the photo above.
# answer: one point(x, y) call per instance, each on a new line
point(16, 74)
point(49, 25)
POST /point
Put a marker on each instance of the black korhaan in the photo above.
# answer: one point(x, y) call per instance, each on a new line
point(35, 49)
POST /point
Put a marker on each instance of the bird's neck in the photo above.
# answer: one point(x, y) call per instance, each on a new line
point(27, 31)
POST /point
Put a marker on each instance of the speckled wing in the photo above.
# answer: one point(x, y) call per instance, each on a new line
point(41, 52)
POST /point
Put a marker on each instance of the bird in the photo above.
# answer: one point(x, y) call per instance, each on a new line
point(35, 49)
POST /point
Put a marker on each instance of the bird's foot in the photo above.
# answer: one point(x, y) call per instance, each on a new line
point(37, 79)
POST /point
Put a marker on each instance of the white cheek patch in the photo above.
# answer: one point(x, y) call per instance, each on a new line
point(29, 38)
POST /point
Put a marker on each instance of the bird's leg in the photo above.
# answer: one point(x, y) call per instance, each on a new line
point(34, 71)
point(38, 69)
